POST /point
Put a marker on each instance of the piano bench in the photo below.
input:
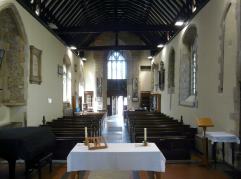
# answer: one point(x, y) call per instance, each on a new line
point(38, 163)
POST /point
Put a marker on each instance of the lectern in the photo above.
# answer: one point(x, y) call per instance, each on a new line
point(204, 123)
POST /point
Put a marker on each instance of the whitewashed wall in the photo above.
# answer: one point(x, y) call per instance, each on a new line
point(95, 66)
point(53, 52)
point(218, 106)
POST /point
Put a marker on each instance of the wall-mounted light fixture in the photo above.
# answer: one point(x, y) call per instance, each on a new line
point(179, 23)
point(73, 47)
point(2, 52)
point(152, 54)
point(82, 56)
point(160, 45)
point(194, 5)
point(53, 26)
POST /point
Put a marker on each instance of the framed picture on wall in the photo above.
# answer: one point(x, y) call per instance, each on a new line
point(60, 70)
point(35, 65)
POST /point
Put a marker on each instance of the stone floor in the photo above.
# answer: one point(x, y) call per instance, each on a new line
point(114, 130)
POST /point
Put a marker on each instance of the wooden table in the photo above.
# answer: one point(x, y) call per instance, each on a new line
point(117, 157)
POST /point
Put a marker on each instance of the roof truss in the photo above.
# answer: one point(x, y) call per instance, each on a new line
point(79, 22)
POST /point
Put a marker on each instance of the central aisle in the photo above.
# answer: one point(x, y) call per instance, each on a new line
point(114, 130)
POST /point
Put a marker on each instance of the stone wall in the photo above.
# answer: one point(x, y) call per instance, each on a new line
point(13, 66)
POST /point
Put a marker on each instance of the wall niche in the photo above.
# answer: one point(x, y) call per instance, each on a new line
point(13, 68)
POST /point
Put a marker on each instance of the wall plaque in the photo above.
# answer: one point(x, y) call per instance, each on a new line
point(35, 65)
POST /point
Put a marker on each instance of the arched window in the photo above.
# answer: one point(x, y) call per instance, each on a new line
point(66, 81)
point(188, 68)
point(116, 66)
point(194, 67)
point(171, 71)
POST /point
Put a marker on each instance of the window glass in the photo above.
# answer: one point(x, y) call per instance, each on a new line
point(69, 87)
point(193, 68)
point(125, 101)
point(66, 84)
point(116, 66)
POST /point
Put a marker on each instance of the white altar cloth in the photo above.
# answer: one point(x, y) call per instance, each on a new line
point(222, 137)
point(118, 156)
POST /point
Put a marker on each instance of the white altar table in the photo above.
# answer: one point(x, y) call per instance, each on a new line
point(118, 156)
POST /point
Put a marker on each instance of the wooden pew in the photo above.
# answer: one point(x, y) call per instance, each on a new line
point(174, 139)
point(69, 130)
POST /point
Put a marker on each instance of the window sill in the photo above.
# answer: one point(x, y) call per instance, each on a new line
point(191, 101)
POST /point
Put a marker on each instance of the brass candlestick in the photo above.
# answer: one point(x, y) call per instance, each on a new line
point(145, 143)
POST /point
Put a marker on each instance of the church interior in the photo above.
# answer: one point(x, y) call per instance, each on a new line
point(120, 89)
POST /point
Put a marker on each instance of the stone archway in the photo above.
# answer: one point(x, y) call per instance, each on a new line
point(13, 72)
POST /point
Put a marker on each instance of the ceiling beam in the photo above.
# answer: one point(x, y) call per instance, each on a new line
point(143, 38)
point(90, 40)
point(114, 28)
point(40, 20)
point(119, 47)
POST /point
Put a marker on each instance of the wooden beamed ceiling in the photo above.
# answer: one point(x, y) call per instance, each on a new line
point(79, 22)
